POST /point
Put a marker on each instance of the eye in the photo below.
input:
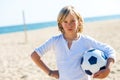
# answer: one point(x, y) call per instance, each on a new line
point(73, 21)
point(65, 21)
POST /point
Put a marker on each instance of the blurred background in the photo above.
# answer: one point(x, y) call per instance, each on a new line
point(17, 12)
point(102, 22)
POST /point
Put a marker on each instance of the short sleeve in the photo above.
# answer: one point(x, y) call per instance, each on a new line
point(45, 47)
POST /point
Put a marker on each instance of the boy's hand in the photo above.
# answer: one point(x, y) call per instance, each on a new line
point(55, 74)
point(105, 72)
point(102, 73)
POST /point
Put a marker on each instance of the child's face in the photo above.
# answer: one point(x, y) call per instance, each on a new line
point(70, 23)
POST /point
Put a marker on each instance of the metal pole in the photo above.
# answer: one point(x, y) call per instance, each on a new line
point(25, 27)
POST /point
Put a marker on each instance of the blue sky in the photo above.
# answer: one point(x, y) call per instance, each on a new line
point(47, 10)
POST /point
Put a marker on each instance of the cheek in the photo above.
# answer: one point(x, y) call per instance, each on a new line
point(63, 25)
point(74, 24)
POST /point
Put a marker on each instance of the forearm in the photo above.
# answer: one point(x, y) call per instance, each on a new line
point(37, 60)
point(110, 62)
point(105, 72)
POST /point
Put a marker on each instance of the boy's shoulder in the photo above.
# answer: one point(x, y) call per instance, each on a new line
point(57, 37)
point(84, 36)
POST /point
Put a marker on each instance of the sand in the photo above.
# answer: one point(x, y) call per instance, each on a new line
point(15, 51)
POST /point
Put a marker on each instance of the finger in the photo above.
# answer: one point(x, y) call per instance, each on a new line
point(96, 75)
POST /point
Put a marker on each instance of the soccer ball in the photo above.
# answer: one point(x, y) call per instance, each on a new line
point(93, 61)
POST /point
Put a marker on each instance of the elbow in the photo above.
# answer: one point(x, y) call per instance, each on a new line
point(32, 55)
point(35, 56)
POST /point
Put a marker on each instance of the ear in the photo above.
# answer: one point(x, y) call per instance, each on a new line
point(60, 27)
point(80, 22)
point(59, 24)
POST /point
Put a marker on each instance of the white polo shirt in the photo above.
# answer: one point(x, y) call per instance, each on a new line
point(68, 60)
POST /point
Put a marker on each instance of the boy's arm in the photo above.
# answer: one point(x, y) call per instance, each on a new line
point(36, 58)
point(104, 73)
point(110, 62)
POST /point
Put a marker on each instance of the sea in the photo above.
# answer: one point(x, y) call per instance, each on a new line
point(41, 25)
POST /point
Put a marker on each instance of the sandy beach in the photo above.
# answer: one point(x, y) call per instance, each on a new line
point(15, 51)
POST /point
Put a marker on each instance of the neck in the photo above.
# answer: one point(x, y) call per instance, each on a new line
point(71, 37)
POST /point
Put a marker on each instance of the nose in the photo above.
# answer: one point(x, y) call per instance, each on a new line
point(70, 24)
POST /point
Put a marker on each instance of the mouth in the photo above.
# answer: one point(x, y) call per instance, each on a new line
point(70, 29)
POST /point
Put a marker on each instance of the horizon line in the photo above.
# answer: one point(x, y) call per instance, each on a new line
point(40, 25)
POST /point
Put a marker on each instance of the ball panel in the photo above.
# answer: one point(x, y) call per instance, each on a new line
point(103, 55)
point(88, 72)
point(82, 60)
point(91, 50)
point(92, 60)
point(102, 68)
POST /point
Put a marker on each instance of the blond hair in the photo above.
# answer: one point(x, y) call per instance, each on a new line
point(63, 14)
